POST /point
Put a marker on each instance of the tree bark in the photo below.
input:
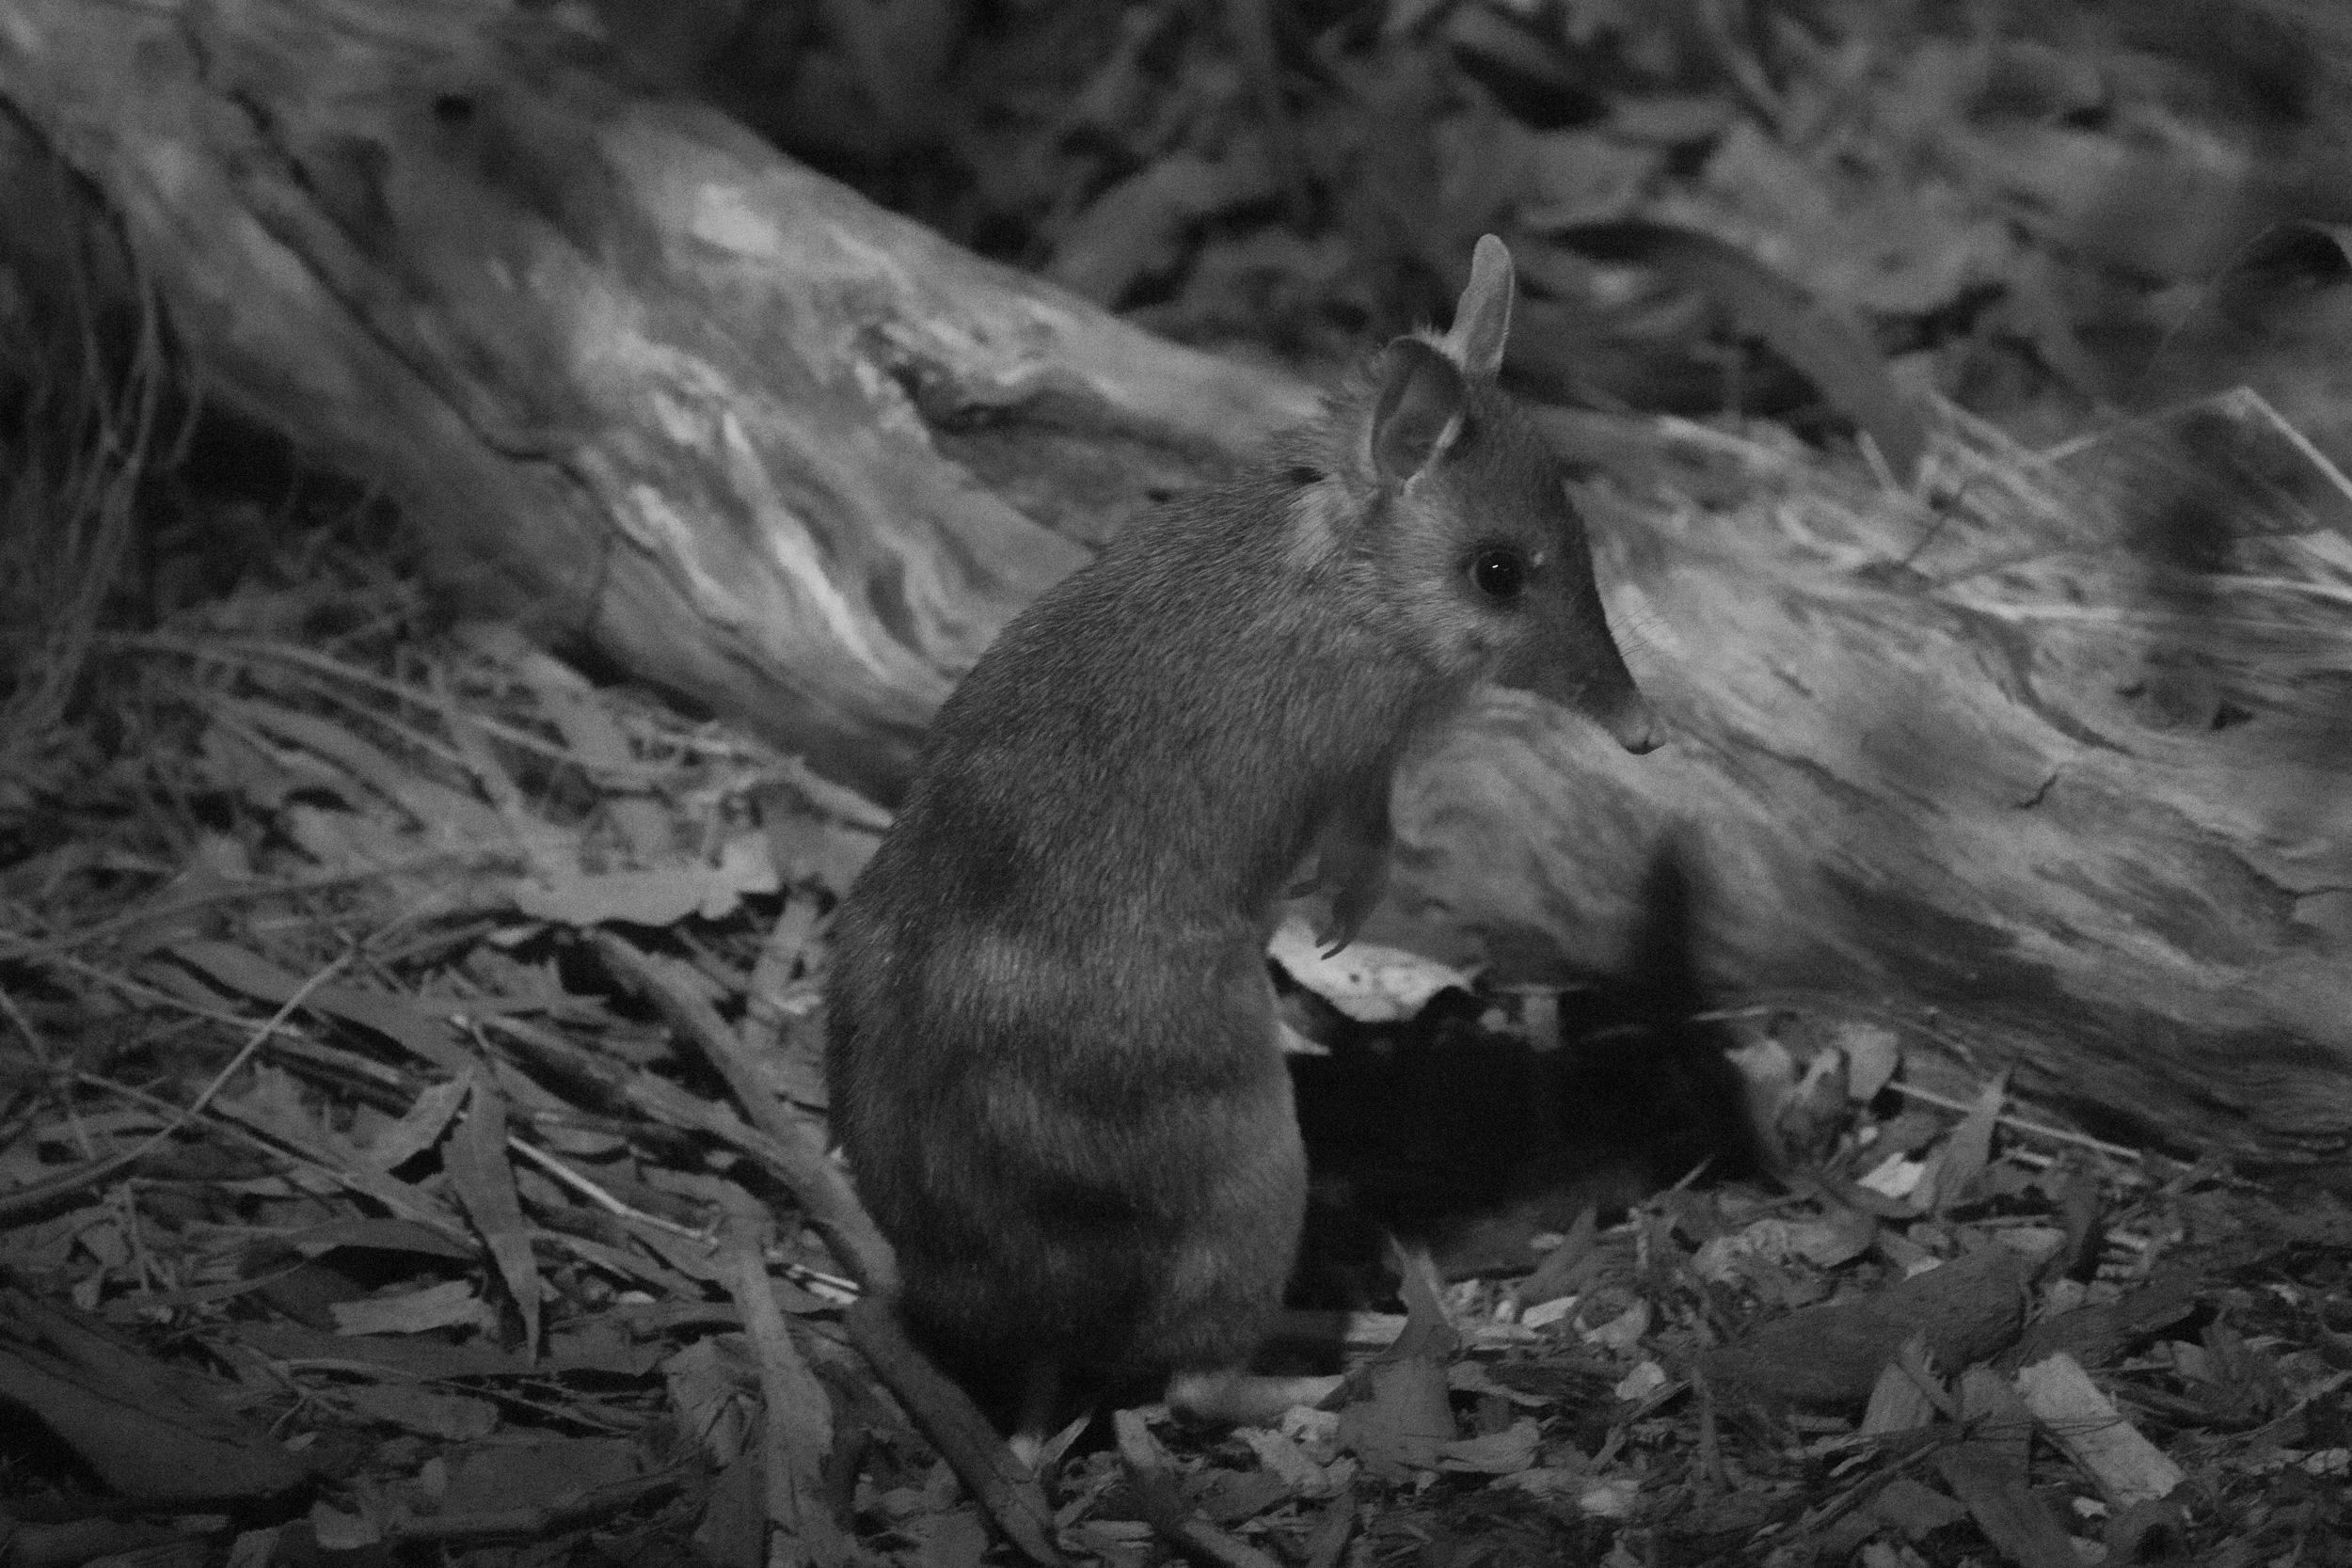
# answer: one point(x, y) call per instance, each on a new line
point(1998, 768)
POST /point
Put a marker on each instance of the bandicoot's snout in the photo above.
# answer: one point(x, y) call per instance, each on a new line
point(1635, 725)
point(1598, 685)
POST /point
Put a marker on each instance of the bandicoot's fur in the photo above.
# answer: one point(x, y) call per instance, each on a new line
point(1054, 1058)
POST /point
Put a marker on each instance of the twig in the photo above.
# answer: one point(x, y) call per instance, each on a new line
point(598, 1194)
point(998, 1481)
point(799, 1158)
point(17, 1200)
point(2017, 1124)
point(15, 948)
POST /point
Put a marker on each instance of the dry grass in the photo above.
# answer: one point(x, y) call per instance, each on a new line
point(92, 424)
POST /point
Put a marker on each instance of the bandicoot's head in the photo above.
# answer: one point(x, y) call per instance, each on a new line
point(1461, 510)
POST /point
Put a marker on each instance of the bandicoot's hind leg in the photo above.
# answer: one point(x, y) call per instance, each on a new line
point(1221, 1286)
point(1040, 1404)
point(1237, 1398)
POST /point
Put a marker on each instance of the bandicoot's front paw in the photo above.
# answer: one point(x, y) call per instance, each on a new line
point(1352, 903)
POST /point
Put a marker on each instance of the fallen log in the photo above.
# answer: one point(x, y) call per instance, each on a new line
point(665, 392)
point(1978, 763)
point(1985, 758)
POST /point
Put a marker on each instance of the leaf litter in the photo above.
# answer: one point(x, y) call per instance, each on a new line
point(365, 1145)
point(414, 1054)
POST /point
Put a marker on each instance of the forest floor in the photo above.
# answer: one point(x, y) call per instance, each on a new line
point(372, 988)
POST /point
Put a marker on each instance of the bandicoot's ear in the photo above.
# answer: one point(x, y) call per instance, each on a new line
point(1418, 410)
point(1483, 320)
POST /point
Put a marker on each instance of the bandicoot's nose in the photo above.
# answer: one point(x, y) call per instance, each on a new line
point(1636, 726)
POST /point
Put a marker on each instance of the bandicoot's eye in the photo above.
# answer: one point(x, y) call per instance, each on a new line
point(1499, 574)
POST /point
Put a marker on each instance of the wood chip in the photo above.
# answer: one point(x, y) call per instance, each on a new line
point(2127, 1467)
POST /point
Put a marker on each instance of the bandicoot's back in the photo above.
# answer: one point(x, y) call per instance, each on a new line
point(1054, 1058)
